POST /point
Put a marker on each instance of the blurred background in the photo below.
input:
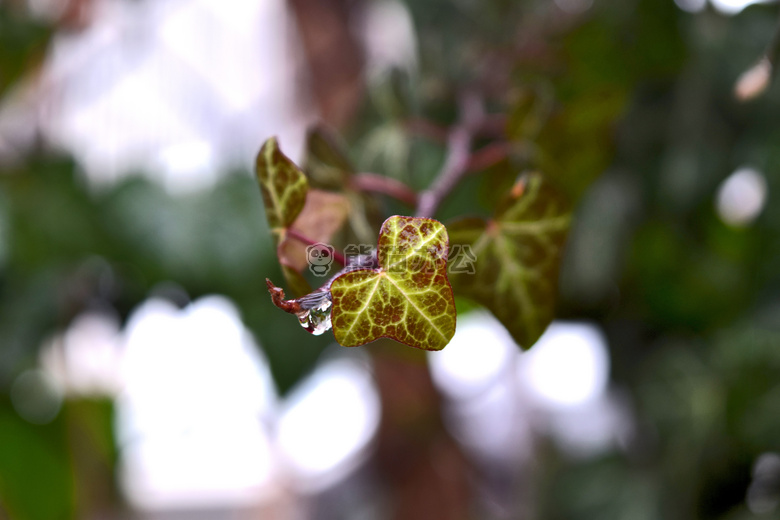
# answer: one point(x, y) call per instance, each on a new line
point(145, 374)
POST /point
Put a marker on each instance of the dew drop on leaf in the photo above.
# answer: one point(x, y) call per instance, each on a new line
point(316, 320)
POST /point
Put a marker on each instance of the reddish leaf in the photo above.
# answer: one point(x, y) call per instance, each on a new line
point(323, 214)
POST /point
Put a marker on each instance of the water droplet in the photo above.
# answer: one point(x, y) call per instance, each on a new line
point(316, 320)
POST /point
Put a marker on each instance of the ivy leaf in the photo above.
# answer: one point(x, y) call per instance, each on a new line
point(283, 184)
point(408, 298)
point(284, 188)
point(516, 257)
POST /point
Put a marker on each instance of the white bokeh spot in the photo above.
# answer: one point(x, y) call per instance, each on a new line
point(741, 197)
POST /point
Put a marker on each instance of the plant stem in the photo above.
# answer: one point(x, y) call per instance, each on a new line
point(309, 242)
point(457, 160)
point(385, 185)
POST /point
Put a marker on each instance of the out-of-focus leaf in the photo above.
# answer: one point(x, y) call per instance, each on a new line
point(576, 146)
point(516, 258)
point(529, 111)
point(328, 168)
point(571, 116)
point(323, 215)
point(387, 148)
point(283, 185)
point(326, 161)
point(408, 298)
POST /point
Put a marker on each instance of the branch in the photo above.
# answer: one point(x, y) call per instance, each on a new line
point(457, 160)
point(385, 185)
point(493, 125)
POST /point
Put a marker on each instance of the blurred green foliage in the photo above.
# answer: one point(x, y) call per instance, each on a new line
point(68, 249)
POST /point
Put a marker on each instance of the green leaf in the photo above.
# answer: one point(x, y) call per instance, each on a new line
point(517, 257)
point(408, 298)
point(284, 188)
point(283, 184)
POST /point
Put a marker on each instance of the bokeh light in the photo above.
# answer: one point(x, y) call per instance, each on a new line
point(475, 358)
point(328, 421)
point(741, 197)
point(193, 415)
point(183, 90)
point(569, 365)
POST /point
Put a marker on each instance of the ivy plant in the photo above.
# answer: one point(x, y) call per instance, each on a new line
point(404, 285)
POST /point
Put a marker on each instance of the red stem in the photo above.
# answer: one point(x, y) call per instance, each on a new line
point(309, 242)
point(385, 185)
point(277, 297)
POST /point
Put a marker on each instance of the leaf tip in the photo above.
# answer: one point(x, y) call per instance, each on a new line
point(271, 142)
point(277, 297)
